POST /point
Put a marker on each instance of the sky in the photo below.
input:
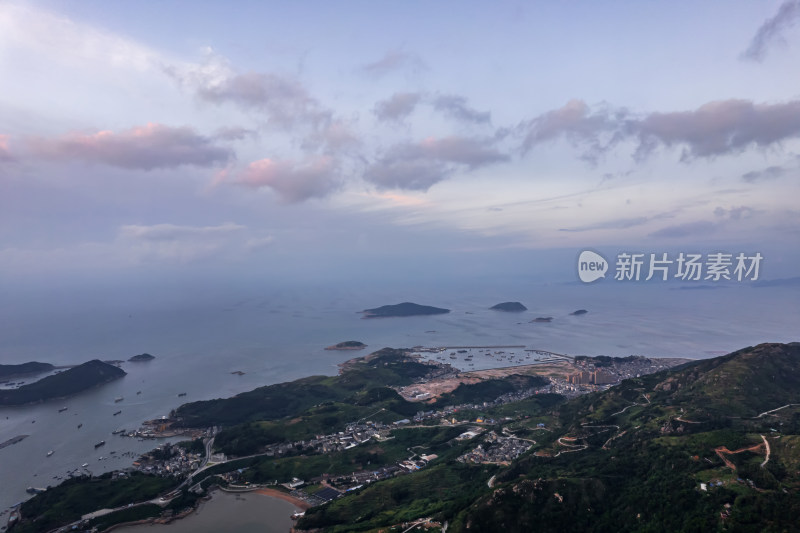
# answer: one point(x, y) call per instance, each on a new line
point(348, 140)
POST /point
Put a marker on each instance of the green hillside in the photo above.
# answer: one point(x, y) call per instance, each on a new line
point(679, 450)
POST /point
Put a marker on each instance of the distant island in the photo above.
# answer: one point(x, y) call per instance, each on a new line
point(403, 309)
point(542, 319)
point(579, 312)
point(7, 371)
point(348, 345)
point(67, 383)
point(513, 307)
point(142, 357)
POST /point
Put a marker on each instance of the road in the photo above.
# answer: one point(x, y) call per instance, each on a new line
point(768, 451)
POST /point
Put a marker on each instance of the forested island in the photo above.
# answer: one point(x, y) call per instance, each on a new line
point(142, 357)
point(512, 307)
point(403, 309)
point(69, 382)
point(347, 345)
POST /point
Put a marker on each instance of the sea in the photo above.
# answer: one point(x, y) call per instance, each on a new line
point(202, 337)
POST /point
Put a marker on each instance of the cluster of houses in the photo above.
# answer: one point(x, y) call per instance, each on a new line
point(496, 449)
point(178, 461)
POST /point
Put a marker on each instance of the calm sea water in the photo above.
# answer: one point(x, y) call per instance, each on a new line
point(243, 513)
point(199, 337)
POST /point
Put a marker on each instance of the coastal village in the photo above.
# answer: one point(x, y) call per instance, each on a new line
point(493, 443)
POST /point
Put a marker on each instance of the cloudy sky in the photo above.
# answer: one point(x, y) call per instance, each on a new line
point(314, 138)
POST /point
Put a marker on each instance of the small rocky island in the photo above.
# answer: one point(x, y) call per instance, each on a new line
point(348, 345)
point(403, 309)
point(510, 307)
point(67, 383)
point(579, 312)
point(142, 357)
point(542, 319)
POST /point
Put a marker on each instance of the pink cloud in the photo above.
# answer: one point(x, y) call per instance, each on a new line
point(315, 177)
point(144, 147)
point(5, 153)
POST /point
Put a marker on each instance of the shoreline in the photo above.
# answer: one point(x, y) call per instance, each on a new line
point(285, 497)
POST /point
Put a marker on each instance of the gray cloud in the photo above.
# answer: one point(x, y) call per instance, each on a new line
point(715, 128)
point(689, 229)
point(234, 133)
point(456, 107)
point(719, 127)
point(293, 182)
point(772, 30)
point(393, 60)
point(179, 244)
point(768, 173)
point(598, 129)
point(284, 101)
point(397, 107)
point(418, 175)
point(735, 213)
point(418, 166)
point(145, 148)
point(620, 223)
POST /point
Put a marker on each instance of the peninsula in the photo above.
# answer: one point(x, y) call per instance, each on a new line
point(10, 371)
point(71, 381)
point(403, 309)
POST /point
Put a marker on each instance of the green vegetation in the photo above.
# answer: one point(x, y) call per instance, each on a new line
point(387, 367)
point(78, 496)
point(439, 490)
point(380, 404)
point(490, 389)
point(67, 383)
point(7, 371)
point(193, 446)
point(403, 309)
point(347, 345)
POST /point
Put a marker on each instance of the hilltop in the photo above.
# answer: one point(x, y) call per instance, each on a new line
point(403, 309)
point(71, 381)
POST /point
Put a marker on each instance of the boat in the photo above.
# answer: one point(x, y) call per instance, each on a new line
point(62, 409)
point(118, 399)
point(84, 465)
point(34, 490)
point(138, 392)
point(51, 452)
point(118, 412)
point(101, 443)
point(80, 426)
point(118, 432)
point(181, 394)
